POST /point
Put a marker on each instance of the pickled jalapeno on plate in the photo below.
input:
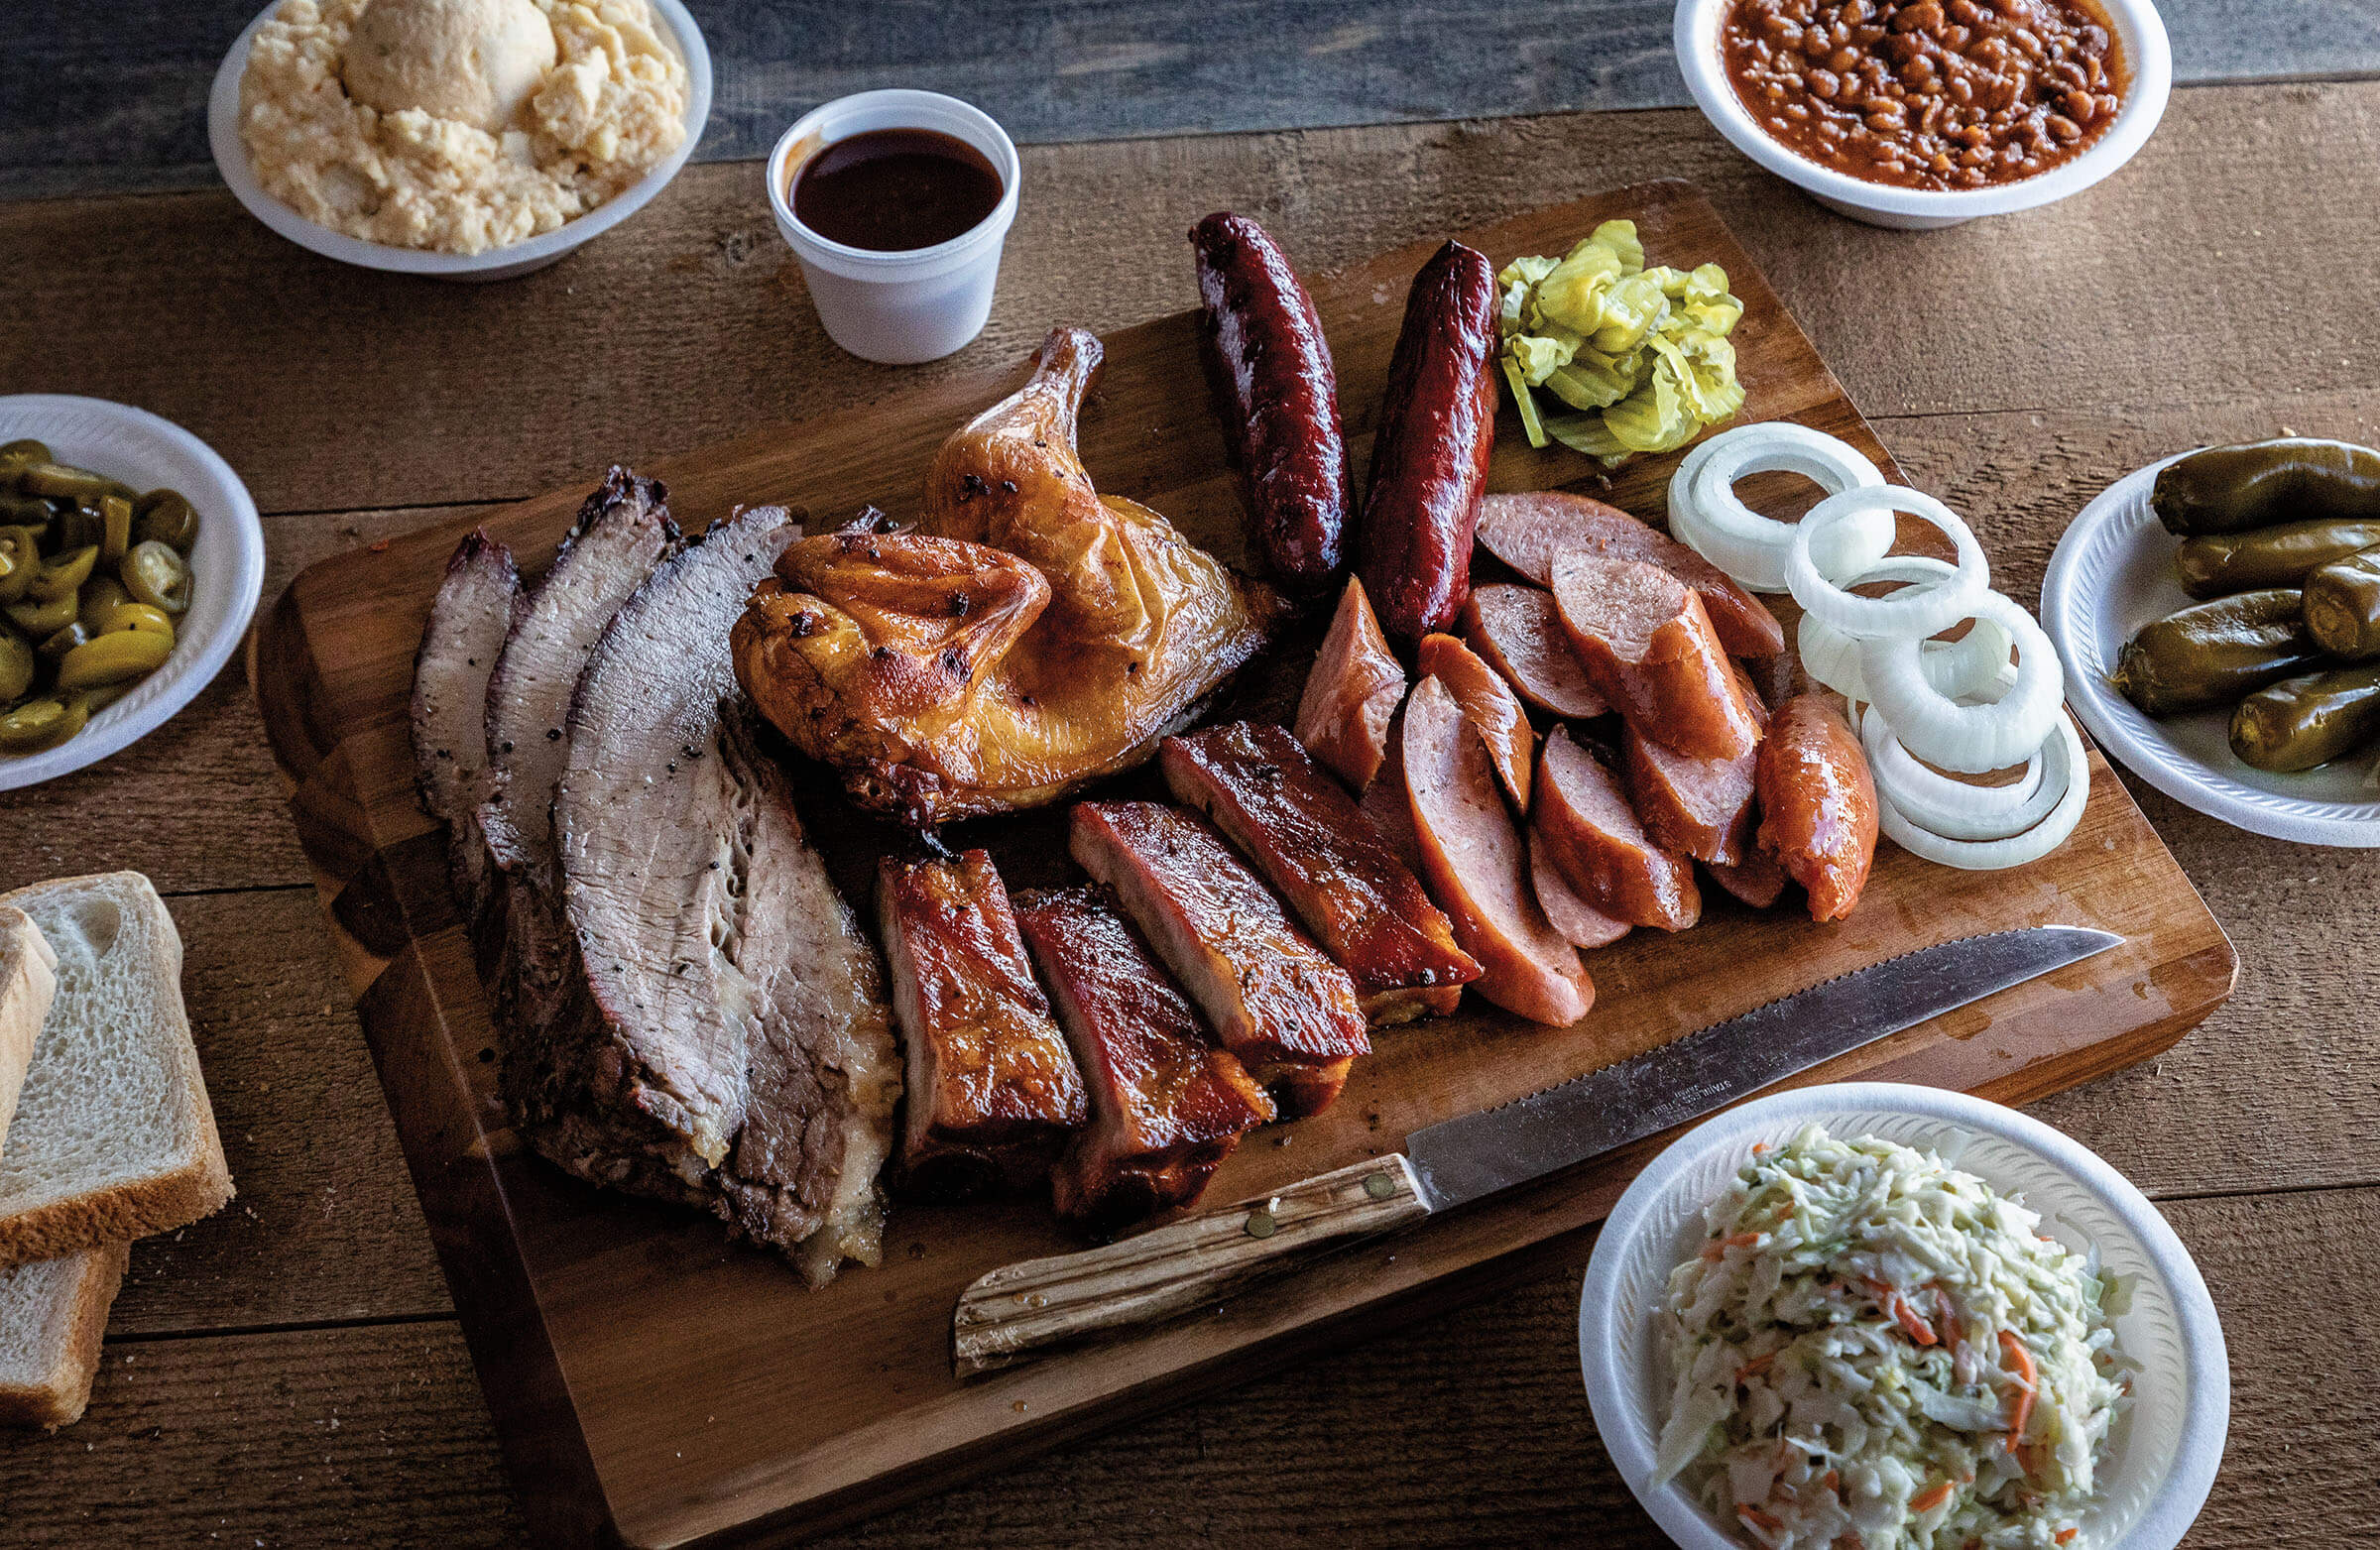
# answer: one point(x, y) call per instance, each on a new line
point(2301, 723)
point(94, 580)
point(2213, 653)
point(2239, 489)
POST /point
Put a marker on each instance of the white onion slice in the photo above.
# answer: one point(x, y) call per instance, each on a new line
point(1952, 808)
point(1970, 666)
point(1970, 739)
point(1705, 514)
point(2064, 770)
point(1911, 613)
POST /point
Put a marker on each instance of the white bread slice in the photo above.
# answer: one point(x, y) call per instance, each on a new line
point(114, 1137)
point(51, 1315)
point(28, 982)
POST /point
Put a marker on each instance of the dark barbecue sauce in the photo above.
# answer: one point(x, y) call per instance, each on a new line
point(891, 191)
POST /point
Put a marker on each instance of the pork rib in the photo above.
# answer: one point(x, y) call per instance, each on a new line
point(622, 532)
point(1257, 784)
point(1275, 1001)
point(721, 1036)
point(1166, 1106)
point(474, 610)
point(993, 1091)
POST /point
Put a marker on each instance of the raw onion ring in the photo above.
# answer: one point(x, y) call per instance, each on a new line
point(2065, 768)
point(1705, 514)
point(1914, 612)
point(1970, 739)
point(1957, 669)
point(1951, 808)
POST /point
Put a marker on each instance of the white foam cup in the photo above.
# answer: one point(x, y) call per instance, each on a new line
point(897, 308)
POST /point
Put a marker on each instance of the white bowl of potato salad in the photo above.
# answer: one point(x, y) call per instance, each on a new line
point(1894, 1318)
point(457, 139)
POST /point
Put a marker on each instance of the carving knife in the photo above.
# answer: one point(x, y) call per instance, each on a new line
point(1015, 1311)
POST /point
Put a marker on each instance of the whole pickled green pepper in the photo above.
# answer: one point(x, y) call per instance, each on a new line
point(2234, 489)
point(2300, 723)
point(2282, 556)
point(2211, 653)
point(2342, 606)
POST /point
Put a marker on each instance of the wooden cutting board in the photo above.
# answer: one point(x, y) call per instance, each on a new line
point(656, 1385)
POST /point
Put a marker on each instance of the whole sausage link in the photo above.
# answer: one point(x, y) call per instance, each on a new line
point(1277, 398)
point(1429, 458)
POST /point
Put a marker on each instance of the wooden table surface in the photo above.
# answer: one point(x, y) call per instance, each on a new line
point(289, 1372)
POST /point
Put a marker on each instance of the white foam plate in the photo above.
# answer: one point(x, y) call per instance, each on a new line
point(2112, 573)
point(227, 564)
point(2163, 1450)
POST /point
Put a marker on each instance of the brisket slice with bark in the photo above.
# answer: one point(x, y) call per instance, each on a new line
point(469, 619)
point(620, 533)
point(721, 1036)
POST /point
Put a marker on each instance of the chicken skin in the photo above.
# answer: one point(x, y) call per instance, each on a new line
point(1030, 636)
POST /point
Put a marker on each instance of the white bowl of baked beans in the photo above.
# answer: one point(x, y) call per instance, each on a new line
point(1924, 113)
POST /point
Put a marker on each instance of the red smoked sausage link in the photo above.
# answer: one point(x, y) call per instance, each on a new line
point(1429, 459)
point(1270, 369)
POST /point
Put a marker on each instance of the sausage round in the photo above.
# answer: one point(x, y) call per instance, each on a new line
point(1817, 804)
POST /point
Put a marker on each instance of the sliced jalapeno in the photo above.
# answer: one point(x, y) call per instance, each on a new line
point(42, 619)
point(156, 576)
point(139, 618)
point(116, 658)
point(64, 575)
point(61, 479)
point(165, 516)
point(100, 596)
point(54, 649)
point(16, 667)
point(42, 723)
point(115, 533)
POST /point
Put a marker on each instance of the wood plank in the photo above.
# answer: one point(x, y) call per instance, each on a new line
point(533, 1257)
point(2208, 271)
point(1050, 72)
point(1472, 1428)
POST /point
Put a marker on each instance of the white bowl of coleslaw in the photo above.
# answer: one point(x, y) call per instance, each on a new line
point(2166, 1441)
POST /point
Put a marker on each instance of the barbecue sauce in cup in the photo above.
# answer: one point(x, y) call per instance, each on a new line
point(894, 191)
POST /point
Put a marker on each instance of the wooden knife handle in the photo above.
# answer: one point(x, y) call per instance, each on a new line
point(1018, 1310)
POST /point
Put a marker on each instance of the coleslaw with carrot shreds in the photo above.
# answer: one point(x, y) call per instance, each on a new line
point(1874, 1351)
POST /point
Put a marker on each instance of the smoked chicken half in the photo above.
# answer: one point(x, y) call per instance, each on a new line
point(1033, 635)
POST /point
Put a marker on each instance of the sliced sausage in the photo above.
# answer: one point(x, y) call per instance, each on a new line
point(1278, 399)
point(1473, 858)
point(1351, 694)
point(1649, 649)
point(1429, 457)
point(1756, 879)
point(1817, 804)
point(1516, 631)
point(1386, 804)
point(1531, 531)
point(1579, 922)
point(1595, 840)
point(1488, 704)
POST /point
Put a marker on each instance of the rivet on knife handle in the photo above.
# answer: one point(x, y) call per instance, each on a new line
point(1021, 1308)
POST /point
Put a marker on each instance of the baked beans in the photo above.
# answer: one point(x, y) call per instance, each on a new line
point(1936, 94)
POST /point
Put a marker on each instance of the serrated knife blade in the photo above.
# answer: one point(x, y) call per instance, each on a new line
point(1476, 1154)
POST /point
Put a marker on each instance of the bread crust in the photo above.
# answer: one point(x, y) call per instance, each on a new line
point(60, 1398)
point(161, 1202)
